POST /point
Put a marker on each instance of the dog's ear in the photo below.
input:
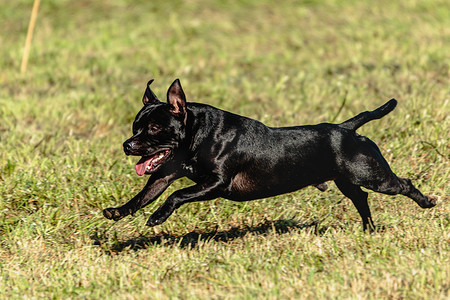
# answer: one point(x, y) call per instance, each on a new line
point(149, 96)
point(176, 98)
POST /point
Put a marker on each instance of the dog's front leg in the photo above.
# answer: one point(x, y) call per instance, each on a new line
point(199, 192)
point(155, 186)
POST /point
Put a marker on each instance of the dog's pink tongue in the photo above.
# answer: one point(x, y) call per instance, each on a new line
point(142, 165)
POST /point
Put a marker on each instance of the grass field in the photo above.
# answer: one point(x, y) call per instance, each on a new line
point(63, 121)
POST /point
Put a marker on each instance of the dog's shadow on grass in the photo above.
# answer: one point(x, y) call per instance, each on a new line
point(191, 239)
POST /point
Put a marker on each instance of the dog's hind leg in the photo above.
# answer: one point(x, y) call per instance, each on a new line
point(395, 185)
point(369, 169)
point(409, 190)
point(359, 199)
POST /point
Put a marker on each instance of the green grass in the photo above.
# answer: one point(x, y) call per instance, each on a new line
point(62, 124)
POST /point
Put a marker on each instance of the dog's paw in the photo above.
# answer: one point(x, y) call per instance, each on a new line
point(429, 202)
point(153, 222)
point(156, 219)
point(112, 214)
point(432, 200)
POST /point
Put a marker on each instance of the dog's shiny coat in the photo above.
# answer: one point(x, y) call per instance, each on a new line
point(240, 159)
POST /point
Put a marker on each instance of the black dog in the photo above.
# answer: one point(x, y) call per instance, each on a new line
point(241, 159)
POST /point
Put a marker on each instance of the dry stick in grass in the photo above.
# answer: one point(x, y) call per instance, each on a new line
point(26, 51)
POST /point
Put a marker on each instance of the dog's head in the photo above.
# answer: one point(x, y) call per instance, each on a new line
point(158, 130)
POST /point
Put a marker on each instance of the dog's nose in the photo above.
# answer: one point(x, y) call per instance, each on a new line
point(127, 147)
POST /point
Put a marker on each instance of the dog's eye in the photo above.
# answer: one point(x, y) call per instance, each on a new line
point(154, 129)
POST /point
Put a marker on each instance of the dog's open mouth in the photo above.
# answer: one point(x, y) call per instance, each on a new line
point(149, 164)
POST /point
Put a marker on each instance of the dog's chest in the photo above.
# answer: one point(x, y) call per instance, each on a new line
point(188, 168)
point(192, 172)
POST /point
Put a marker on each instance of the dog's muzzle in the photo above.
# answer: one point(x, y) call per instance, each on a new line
point(128, 147)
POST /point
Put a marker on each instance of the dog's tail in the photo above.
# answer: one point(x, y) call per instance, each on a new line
point(364, 117)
